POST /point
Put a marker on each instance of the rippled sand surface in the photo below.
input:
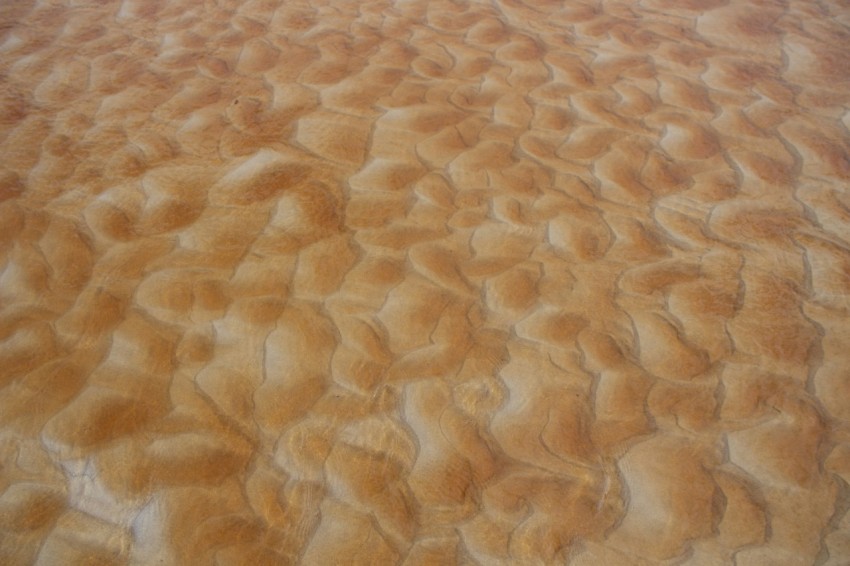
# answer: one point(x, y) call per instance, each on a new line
point(425, 282)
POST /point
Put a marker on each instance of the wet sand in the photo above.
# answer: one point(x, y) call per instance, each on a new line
point(425, 282)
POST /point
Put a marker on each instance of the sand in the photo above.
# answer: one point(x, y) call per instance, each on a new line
point(425, 282)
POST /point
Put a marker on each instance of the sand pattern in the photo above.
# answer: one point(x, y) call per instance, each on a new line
point(425, 282)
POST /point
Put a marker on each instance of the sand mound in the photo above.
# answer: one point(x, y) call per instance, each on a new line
point(424, 282)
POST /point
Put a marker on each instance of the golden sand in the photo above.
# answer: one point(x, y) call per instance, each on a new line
point(425, 282)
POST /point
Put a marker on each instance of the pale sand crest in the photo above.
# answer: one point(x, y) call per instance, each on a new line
point(425, 282)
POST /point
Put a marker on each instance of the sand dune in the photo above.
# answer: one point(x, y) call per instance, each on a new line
point(424, 282)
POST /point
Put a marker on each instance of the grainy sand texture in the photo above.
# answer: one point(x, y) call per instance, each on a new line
point(425, 282)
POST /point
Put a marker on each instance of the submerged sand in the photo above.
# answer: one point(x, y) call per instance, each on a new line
point(425, 282)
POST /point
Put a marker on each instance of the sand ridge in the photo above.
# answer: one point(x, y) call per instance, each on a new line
point(424, 282)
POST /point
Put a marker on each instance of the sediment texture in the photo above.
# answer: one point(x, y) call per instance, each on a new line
point(425, 282)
